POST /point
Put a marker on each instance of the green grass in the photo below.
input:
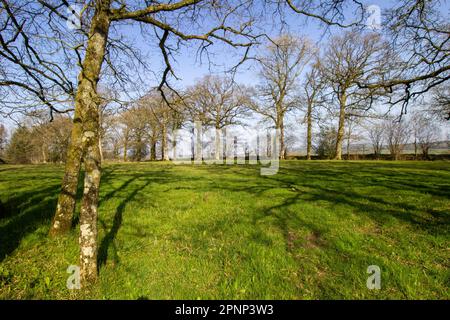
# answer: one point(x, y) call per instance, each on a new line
point(226, 232)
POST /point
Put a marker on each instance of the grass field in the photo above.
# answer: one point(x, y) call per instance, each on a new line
point(226, 232)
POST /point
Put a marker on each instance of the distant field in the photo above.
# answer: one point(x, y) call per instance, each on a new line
point(225, 232)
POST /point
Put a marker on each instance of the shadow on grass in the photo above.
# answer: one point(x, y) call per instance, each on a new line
point(108, 240)
point(26, 211)
point(146, 178)
point(23, 214)
point(345, 184)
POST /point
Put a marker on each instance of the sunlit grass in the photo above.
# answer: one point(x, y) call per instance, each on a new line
point(169, 232)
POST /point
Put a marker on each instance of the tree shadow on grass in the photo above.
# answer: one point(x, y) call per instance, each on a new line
point(347, 186)
point(108, 239)
point(24, 213)
point(339, 189)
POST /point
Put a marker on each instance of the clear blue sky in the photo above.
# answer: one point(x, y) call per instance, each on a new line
point(189, 70)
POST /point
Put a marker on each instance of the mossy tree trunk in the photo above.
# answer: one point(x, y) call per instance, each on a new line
point(89, 204)
point(62, 220)
point(153, 149)
point(86, 98)
point(85, 143)
point(100, 147)
point(89, 102)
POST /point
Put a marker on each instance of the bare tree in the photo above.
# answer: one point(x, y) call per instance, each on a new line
point(419, 36)
point(135, 124)
point(426, 132)
point(376, 135)
point(3, 138)
point(159, 115)
point(62, 72)
point(440, 102)
point(312, 89)
point(419, 33)
point(350, 59)
point(281, 67)
point(101, 20)
point(396, 134)
point(217, 102)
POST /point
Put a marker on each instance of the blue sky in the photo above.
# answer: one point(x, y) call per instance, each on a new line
point(188, 70)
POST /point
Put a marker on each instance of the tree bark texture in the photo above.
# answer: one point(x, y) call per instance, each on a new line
point(340, 132)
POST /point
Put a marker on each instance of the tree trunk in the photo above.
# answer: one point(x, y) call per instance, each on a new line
point(282, 147)
point(100, 148)
point(309, 132)
point(164, 149)
point(44, 156)
point(415, 148)
point(348, 142)
point(87, 98)
point(89, 204)
point(153, 150)
point(235, 146)
point(258, 148)
point(85, 137)
point(425, 152)
point(125, 145)
point(225, 144)
point(62, 221)
point(340, 133)
point(218, 142)
point(138, 148)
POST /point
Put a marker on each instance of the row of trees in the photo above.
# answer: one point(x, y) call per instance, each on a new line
point(331, 88)
point(419, 130)
point(37, 142)
point(144, 130)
